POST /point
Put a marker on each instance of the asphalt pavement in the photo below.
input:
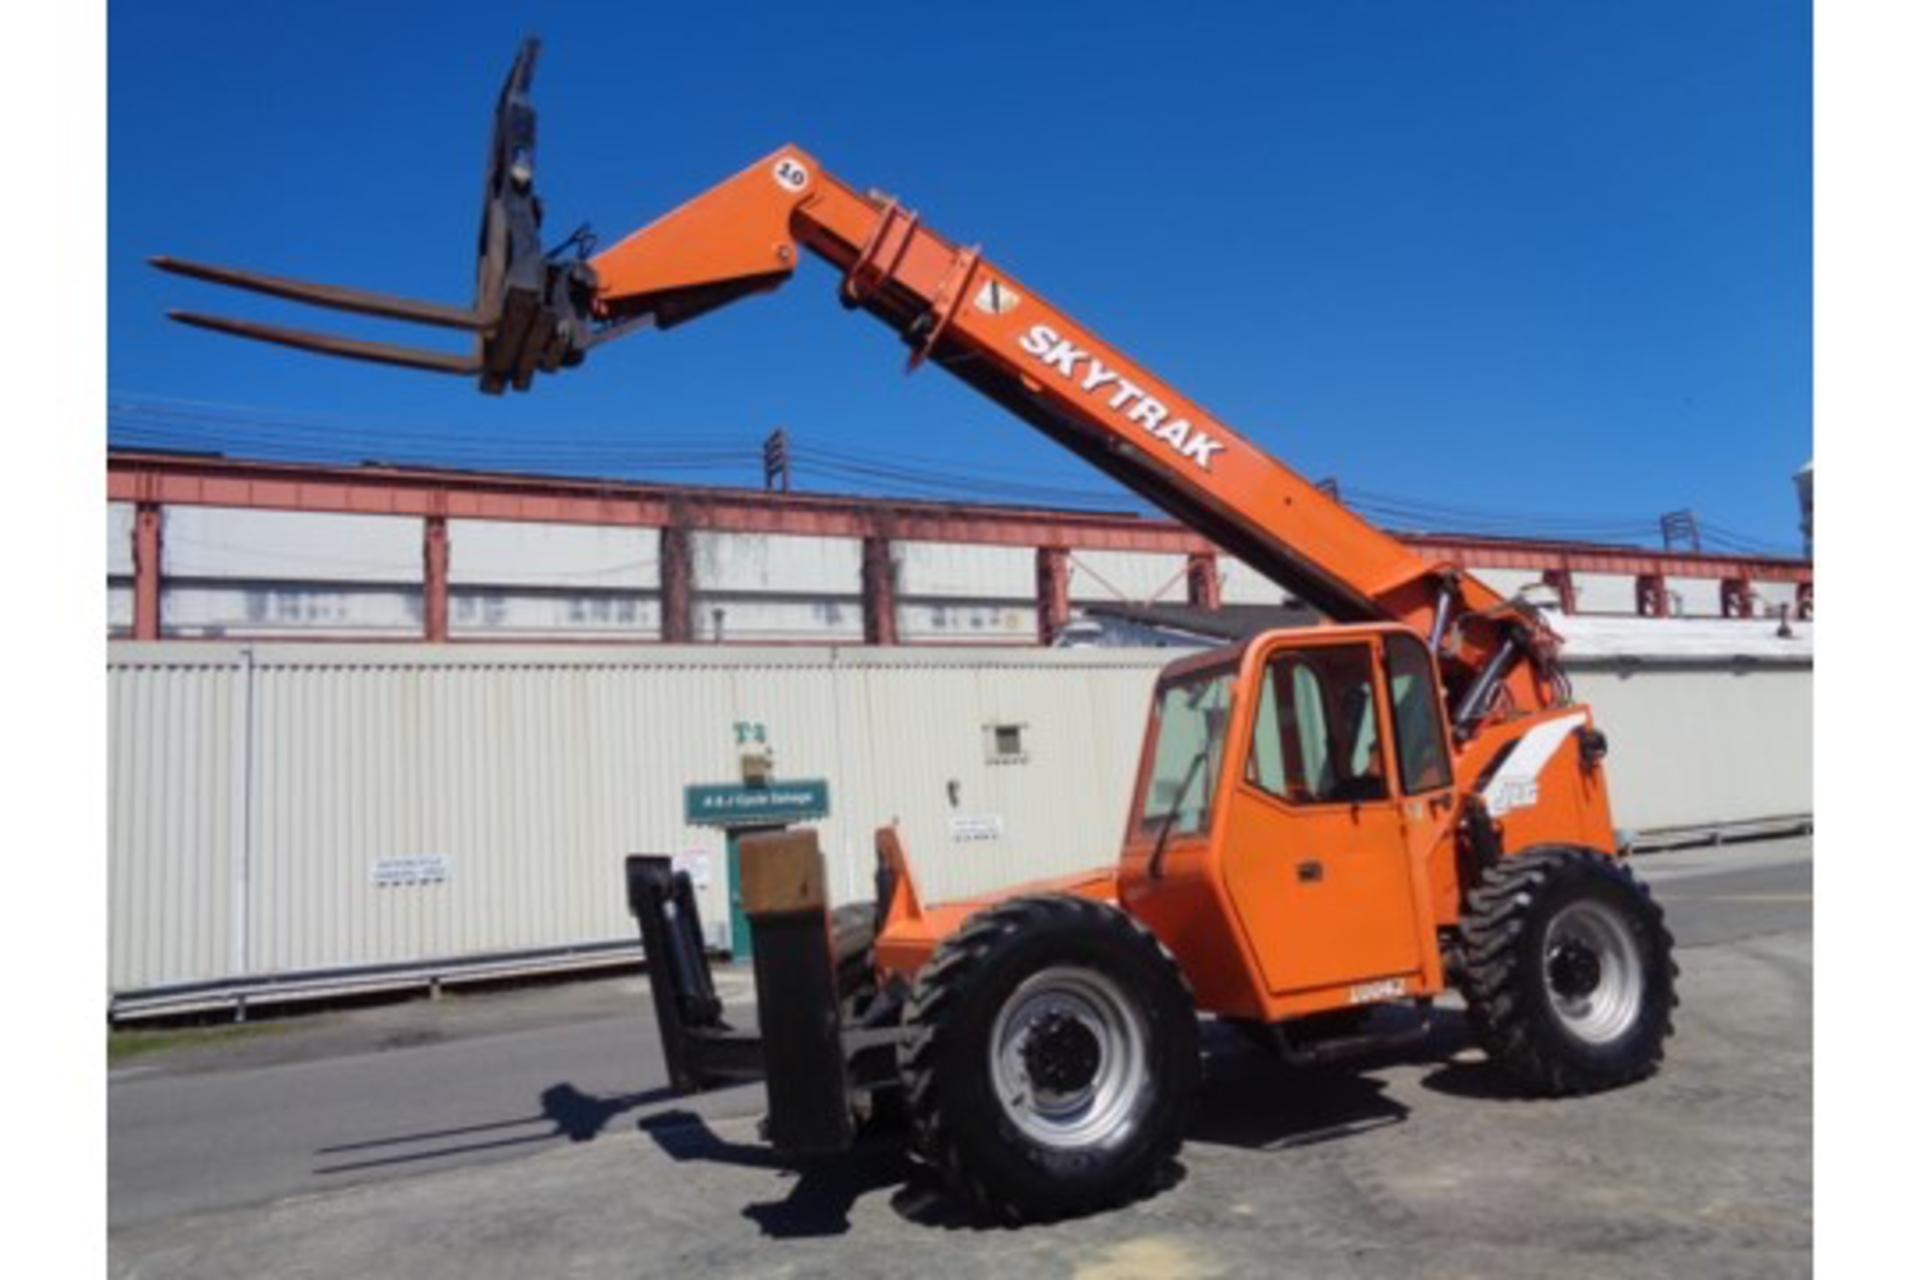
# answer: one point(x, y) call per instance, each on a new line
point(529, 1133)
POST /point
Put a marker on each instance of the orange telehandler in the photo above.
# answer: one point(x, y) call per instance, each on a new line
point(1327, 822)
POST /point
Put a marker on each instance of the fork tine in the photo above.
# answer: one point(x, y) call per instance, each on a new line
point(337, 297)
point(333, 345)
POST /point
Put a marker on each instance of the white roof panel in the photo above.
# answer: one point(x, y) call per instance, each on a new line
point(1589, 636)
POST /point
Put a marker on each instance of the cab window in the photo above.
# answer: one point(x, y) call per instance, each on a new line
point(1187, 753)
point(1419, 734)
point(1315, 734)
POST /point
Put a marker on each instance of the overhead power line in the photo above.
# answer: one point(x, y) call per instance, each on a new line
point(139, 420)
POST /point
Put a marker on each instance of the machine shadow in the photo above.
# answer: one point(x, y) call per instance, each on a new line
point(1253, 1100)
point(565, 1113)
point(1250, 1100)
point(825, 1189)
point(1256, 1102)
point(1480, 1081)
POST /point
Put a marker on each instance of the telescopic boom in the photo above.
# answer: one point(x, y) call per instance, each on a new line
point(537, 312)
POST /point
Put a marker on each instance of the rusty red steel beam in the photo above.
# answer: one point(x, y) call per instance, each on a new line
point(384, 491)
point(370, 490)
point(1498, 553)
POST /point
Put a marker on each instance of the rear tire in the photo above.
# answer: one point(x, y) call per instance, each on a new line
point(1052, 1058)
point(1569, 971)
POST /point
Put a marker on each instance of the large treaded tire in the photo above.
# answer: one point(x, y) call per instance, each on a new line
point(992, 995)
point(1524, 986)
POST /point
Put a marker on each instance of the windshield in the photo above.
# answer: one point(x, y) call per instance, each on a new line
point(1187, 752)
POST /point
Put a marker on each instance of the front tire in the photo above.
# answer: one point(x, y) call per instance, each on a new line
point(1570, 977)
point(1052, 1058)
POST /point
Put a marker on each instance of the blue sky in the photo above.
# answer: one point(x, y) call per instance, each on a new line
point(1539, 263)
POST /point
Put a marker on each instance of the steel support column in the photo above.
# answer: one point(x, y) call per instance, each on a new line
point(1052, 572)
point(879, 614)
point(146, 571)
point(1561, 580)
point(676, 585)
point(1203, 580)
point(1650, 595)
point(435, 609)
point(1736, 598)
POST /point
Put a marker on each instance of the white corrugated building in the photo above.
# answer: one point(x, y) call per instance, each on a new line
point(272, 805)
point(289, 810)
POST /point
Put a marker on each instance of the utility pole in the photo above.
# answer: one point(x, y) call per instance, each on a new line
point(1680, 529)
point(775, 462)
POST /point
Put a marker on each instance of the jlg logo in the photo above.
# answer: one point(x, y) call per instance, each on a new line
point(1148, 413)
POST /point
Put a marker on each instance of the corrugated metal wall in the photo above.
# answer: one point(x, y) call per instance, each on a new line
point(513, 580)
point(1606, 592)
point(255, 792)
point(527, 772)
point(232, 569)
point(1126, 576)
point(176, 818)
point(1694, 745)
point(1241, 585)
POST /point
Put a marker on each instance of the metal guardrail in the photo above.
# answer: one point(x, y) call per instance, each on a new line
point(238, 995)
point(1693, 837)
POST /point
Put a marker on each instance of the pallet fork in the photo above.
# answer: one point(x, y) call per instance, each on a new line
point(802, 1049)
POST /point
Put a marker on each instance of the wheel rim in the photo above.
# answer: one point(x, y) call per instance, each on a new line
point(1069, 1062)
point(1593, 972)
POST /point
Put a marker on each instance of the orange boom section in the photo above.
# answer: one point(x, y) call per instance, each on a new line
point(958, 310)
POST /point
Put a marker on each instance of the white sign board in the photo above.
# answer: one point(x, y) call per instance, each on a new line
point(965, 828)
point(418, 868)
point(698, 864)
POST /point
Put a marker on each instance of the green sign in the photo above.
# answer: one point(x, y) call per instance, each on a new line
point(744, 805)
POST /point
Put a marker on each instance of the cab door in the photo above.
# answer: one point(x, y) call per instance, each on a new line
point(1315, 851)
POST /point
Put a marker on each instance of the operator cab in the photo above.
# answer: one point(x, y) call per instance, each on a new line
point(1290, 791)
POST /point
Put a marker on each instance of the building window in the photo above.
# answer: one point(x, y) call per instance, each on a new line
point(1006, 744)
